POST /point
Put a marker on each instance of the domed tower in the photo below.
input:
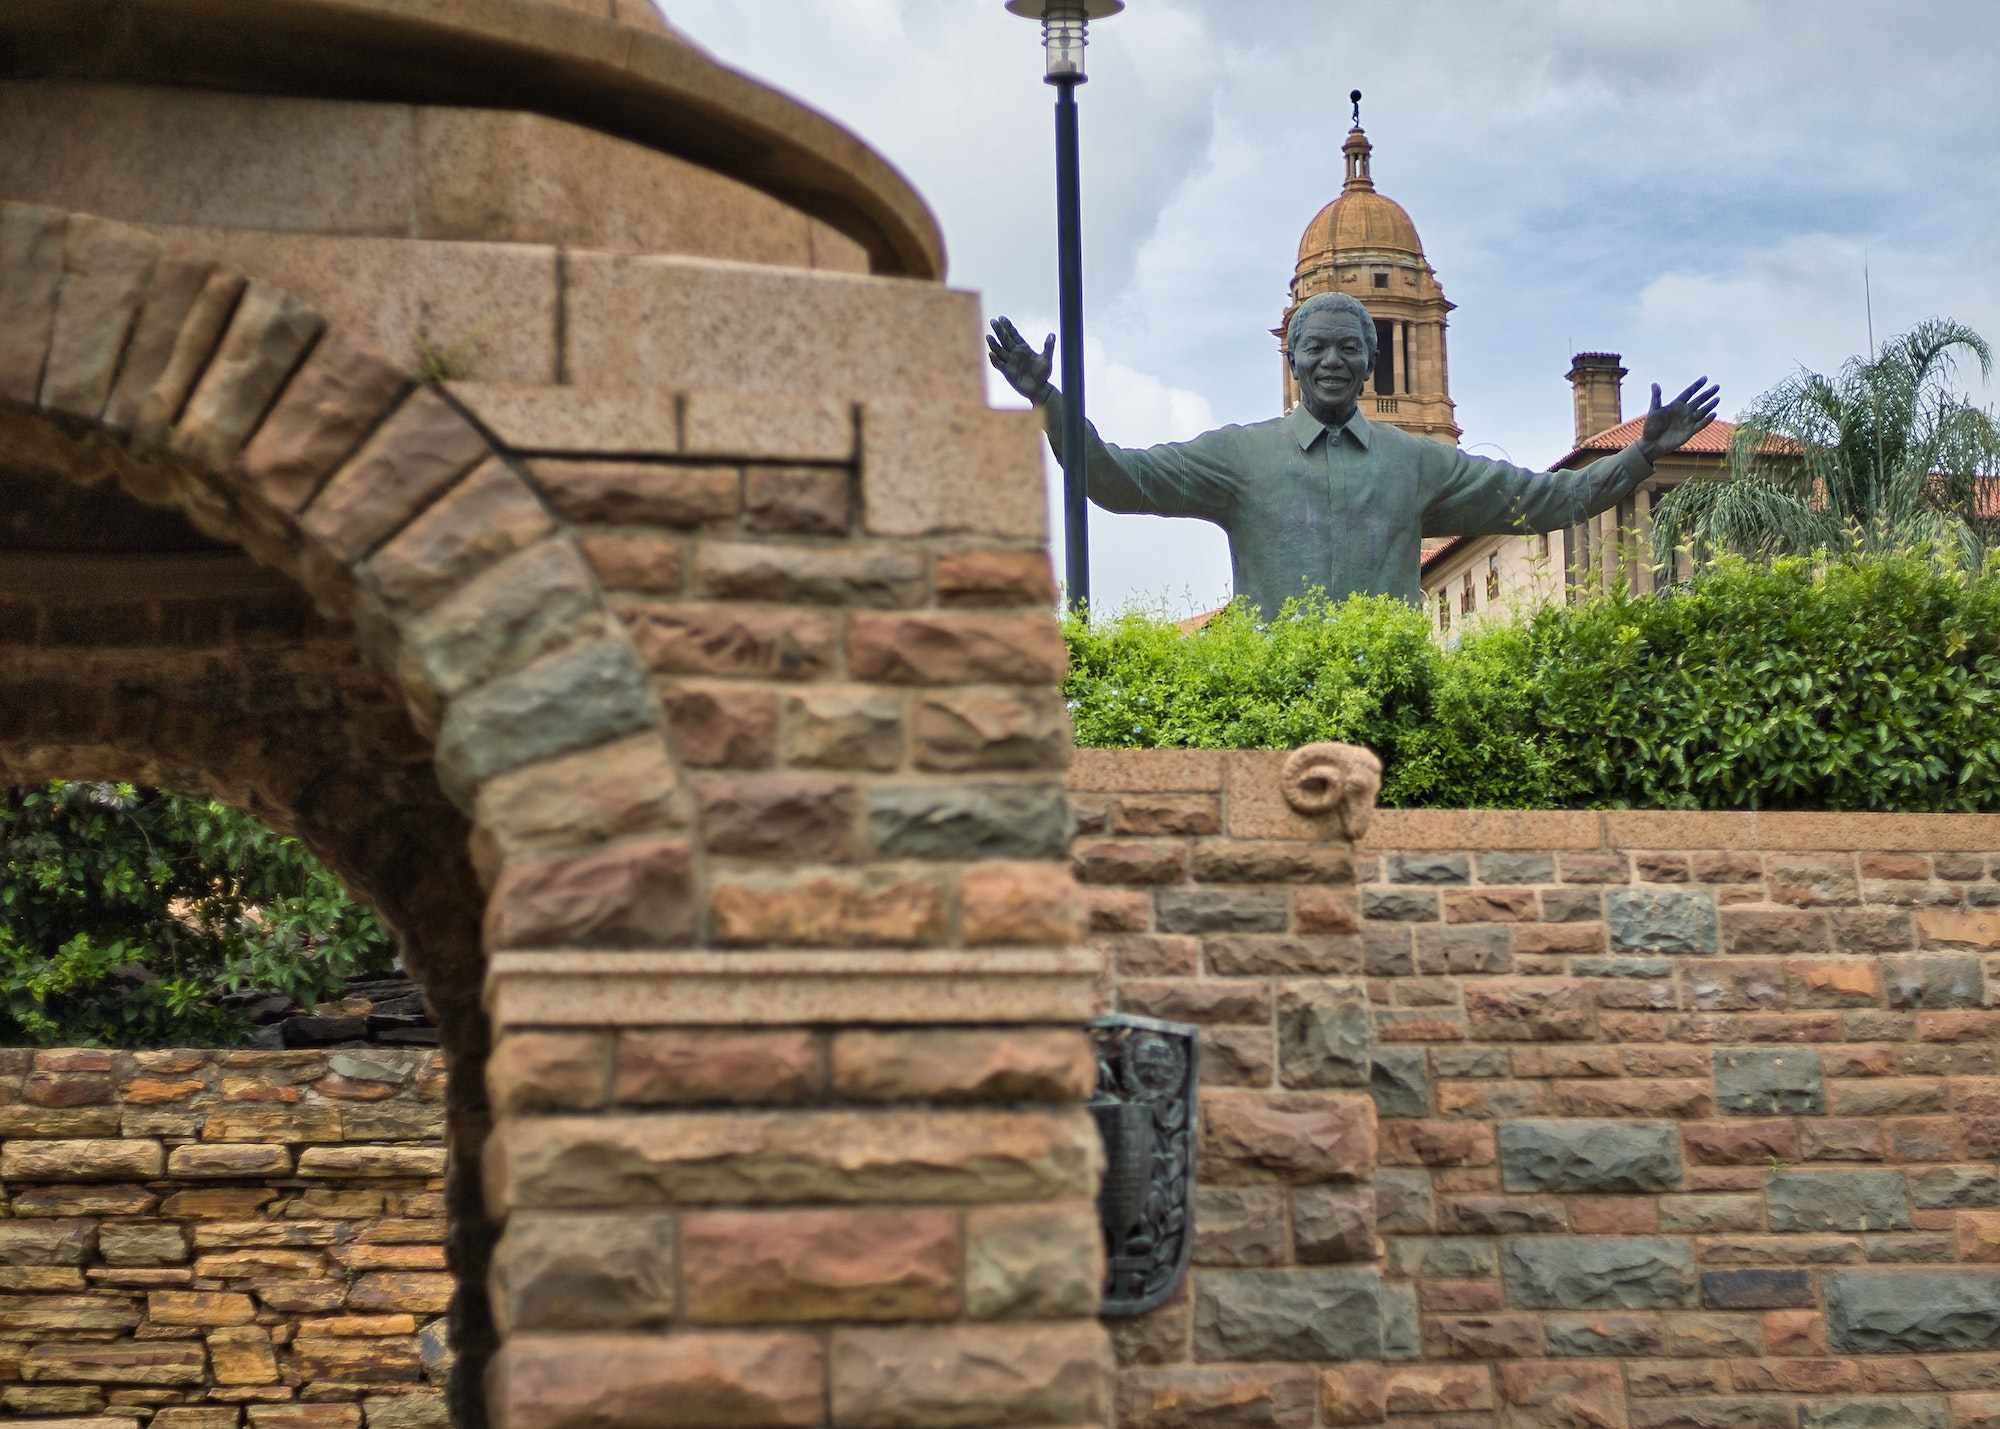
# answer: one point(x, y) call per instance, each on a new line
point(1364, 245)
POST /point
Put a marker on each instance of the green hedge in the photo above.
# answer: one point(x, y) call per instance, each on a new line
point(1866, 683)
point(128, 918)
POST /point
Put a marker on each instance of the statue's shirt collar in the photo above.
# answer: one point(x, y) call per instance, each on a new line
point(1307, 429)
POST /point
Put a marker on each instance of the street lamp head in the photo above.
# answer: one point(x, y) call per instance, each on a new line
point(1065, 31)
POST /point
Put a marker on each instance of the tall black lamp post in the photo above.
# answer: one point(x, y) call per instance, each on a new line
point(1065, 32)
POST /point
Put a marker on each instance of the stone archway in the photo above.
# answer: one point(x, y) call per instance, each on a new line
point(777, 933)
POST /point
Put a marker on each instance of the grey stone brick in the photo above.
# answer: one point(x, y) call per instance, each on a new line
point(1385, 950)
point(1912, 1311)
point(1330, 1226)
point(1837, 1201)
point(1572, 905)
point(1766, 1081)
point(1873, 1412)
point(1402, 1200)
point(1402, 1334)
point(1921, 1248)
point(1399, 1082)
point(1952, 1188)
point(1516, 868)
point(1622, 967)
point(1934, 982)
point(1589, 1155)
point(1442, 1258)
point(563, 702)
point(1427, 868)
point(973, 821)
point(1399, 905)
point(1474, 948)
point(1324, 1034)
point(1221, 910)
point(1623, 1335)
point(1756, 1289)
point(1471, 1062)
point(1598, 1273)
point(1239, 1225)
point(1660, 920)
point(1318, 1314)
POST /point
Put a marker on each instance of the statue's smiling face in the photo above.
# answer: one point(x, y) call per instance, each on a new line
point(1330, 360)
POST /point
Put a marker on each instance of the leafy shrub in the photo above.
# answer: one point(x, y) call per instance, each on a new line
point(1869, 682)
point(127, 916)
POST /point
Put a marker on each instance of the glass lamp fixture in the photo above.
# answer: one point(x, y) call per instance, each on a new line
point(1065, 31)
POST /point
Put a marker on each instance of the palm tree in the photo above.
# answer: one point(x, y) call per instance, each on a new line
point(1888, 454)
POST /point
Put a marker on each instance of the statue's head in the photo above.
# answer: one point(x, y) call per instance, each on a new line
point(1331, 344)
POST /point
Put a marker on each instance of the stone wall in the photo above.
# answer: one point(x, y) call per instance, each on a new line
point(1681, 1119)
point(193, 1237)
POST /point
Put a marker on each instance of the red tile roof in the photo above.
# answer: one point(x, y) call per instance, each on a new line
point(1712, 440)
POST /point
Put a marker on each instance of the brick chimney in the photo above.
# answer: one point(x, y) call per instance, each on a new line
point(1600, 400)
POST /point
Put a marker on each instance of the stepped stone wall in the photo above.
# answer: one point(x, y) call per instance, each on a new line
point(204, 1239)
point(1680, 1120)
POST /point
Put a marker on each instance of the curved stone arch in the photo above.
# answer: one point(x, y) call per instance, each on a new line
point(198, 388)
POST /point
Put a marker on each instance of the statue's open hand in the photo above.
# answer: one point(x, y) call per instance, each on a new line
point(1669, 426)
point(1026, 370)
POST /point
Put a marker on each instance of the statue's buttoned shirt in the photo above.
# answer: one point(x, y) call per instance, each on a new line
point(1344, 509)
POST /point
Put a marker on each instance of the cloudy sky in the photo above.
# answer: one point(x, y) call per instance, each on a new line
point(1693, 184)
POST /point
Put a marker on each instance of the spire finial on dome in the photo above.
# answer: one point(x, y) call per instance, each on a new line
point(1356, 148)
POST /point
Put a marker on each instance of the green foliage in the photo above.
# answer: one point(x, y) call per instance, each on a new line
point(1885, 455)
point(126, 914)
point(1864, 682)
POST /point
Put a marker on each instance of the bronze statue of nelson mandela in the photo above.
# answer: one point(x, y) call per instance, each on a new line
point(1326, 498)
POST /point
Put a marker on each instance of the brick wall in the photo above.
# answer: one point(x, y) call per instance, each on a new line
point(197, 1238)
point(1683, 1119)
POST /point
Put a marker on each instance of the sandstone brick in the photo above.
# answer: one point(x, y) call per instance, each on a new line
point(686, 638)
point(963, 1064)
point(531, 603)
point(958, 730)
point(1286, 1137)
point(210, 1159)
point(881, 577)
point(630, 895)
point(1740, 1143)
point(797, 500)
point(420, 1292)
point(1257, 954)
point(1325, 910)
point(155, 396)
point(168, 1363)
point(326, 409)
point(968, 821)
point(828, 910)
point(92, 1160)
point(585, 1271)
point(1438, 1389)
point(106, 270)
point(31, 257)
point(768, 1157)
point(1017, 903)
point(549, 1071)
point(142, 1243)
point(1974, 929)
point(1198, 999)
point(1125, 862)
point(843, 728)
point(150, 1091)
point(304, 1416)
point(1145, 955)
point(371, 1161)
point(1529, 1009)
point(411, 458)
point(638, 493)
point(684, 1067)
point(753, 1267)
point(624, 787)
point(1272, 861)
point(268, 335)
point(1006, 1373)
point(1558, 1393)
point(1353, 1394)
point(486, 517)
point(1266, 1396)
point(652, 565)
point(198, 1307)
point(956, 649)
point(779, 816)
point(1480, 1337)
point(979, 577)
point(722, 726)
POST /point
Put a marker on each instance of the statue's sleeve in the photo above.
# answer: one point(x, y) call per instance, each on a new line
point(1477, 496)
point(1191, 478)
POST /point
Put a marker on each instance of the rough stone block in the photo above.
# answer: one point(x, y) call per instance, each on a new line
point(801, 501)
point(1287, 1137)
point(883, 577)
point(1935, 982)
point(1756, 1289)
point(341, 392)
point(592, 796)
point(982, 577)
point(638, 493)
point(1399, 1081)
point(142, 1243)
point(739, 1380)
point(1288, 1315)
point(1942, 1188)
point(1913, 1311)
point(1032, 903)
point(1324, 1034)
point(960, 730)
point(787, 816)
point(744, 642)
point(106, 269)
point(1558, 1395)
point(560, 704)
point(824, 910)
point(964, 1064)
point(1624, 1336)
point(1838, 1201)
point(1330, 1226)
point(1530, 1010)
point(1221, 910)
point(161, 1363)
point(549, 1071)
point(1028, 1373)
point(775, 1157)
point(1184, 1396)
point(31, 272)
point(741, 1267)
point(1403, 1201)
point(1599, 1273)
point(629, 895)
point(154, 405)
point(1033, 1262)
point(268, 335)
point(1241, 1226)
point(1762, 1081)
point(1659, 920)
point(81, 1160)
point(1591, 1156)
point(677, 1067)
point(1858, 1412)
point(840, 728)
point(410, 459)
point(969, 821)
